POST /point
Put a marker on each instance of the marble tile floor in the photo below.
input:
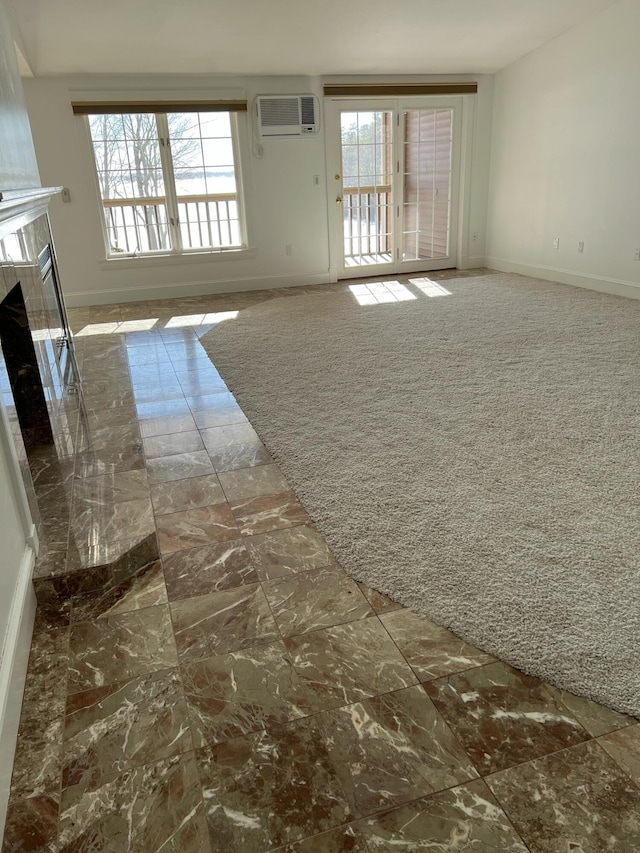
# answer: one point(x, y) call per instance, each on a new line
point(232, 689)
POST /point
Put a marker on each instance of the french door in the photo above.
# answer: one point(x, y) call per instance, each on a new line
point(393, 184)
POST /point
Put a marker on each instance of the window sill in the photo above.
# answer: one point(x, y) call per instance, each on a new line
point(162, 260)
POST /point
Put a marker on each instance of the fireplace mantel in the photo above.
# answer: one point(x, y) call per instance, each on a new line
point(19, 207)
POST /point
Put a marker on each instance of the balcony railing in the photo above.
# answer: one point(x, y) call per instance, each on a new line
point(142, 224)
point(367, 221)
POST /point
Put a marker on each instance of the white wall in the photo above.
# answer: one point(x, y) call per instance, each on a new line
point(18, 167)
point(283, 204)
point(566, 157)
point(12, 539)
point(18, 170)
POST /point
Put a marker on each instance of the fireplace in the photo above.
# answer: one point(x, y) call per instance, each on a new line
point(37, 368)
point(23, 372)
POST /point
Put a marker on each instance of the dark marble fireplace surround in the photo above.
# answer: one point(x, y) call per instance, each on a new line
point(49, 418)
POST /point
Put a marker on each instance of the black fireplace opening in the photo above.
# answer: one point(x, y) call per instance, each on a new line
point(22, 368)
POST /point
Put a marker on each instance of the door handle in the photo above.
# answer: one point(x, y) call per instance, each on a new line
point(339, 200)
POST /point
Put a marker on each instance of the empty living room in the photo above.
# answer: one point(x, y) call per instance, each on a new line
point(319, 427)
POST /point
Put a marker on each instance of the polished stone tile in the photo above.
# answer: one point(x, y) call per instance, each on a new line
point(212, 401)
point(182, 361)
point(37, 763)
point(179, 466)
point(466, 818)
point(208, 418)
point(347, 839)
point(112, 522)
point(576, 799)
point(158, 393)
point(217, 402)
point(596, 719)
point(113, 437)
point(222, 622)
point(183, 336)
point(380, 602)
point(234, 447)
point(52, 614)
point(193, 527)
point(110, 560)
point(353, 661)
point(167, 445)
point(47, 468)
point(503, 717)
point(251, 482)
point(166, 424)
point(268, 512)
point(186, 354)
point(32, 825)
point(201, 380)
point(108, 395)
point(154, 356)
point(251, 689)
point(148, 362)
point(118, 647)
point(209, 569)
point(283, 552)
point(270, 788)
point(45, 686)
point(161, 409)
point(91, 372)
point(144, 589)
point(431, 650)
point(54, 534)
point(51, 560)
point(393, 748)
point(111, 729)
point(109, 489)
point(123, 416)
point(154, 807)
point(152, 372)
point(624, 747)
point(38, 757)
point(315, 599)
point(93, 463)
point(190, 493)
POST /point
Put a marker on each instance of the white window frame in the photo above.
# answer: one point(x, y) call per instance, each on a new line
point(177, 250)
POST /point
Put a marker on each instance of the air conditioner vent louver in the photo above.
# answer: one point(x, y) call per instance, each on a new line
point(280, 111)
point(287, 115)
point(307, 108)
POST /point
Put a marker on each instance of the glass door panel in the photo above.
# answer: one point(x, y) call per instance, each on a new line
point(367, 195)
point(427, 179)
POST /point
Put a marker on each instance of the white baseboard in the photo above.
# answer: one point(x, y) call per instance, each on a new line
point(471, 262)
point(13, 672)
point(614, 286)
point(83, 298)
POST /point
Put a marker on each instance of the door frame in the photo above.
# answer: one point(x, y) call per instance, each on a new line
point(464, 120)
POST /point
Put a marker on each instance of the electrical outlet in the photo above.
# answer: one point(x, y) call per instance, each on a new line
point(66, 195)
point(474, 237)
point(637, 255)
point(581, 247)
point(556, 242)
point(288, 249)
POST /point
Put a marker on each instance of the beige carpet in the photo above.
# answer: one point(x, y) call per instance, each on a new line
point(475, 456)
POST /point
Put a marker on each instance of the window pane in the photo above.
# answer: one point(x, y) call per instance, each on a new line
point(130, 177)
point(204, 169)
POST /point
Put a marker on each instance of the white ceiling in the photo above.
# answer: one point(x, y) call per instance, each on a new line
point(307, 37)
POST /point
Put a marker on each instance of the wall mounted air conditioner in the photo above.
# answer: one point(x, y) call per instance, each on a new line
point(288, 115)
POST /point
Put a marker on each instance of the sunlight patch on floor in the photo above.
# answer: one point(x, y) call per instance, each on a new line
point(377, 292)
point(429, 287)
point(177, 322)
